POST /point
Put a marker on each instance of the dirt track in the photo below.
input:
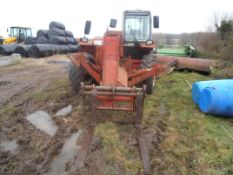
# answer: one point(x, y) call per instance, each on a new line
point(29, 75)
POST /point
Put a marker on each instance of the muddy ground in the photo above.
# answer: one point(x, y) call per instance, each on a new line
point(32, 85)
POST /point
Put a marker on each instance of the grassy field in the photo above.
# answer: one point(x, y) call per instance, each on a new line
point(182, 139)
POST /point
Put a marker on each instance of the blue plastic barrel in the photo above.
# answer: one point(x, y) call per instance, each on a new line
point(216, 101)
point(200, 85)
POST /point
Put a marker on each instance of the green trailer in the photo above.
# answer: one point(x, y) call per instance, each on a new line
point(176, 50)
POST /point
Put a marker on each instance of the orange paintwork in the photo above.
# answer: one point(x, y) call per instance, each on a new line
point(111, 59)
point(111, 68)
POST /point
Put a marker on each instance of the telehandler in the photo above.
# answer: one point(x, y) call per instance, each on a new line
point(116, 72)
point(17, 34)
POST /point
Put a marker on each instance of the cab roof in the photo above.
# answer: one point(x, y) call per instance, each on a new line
point(137, 12)
point(20, 27)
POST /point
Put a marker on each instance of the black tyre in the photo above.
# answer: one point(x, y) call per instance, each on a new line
point(147, 62)
point(43, 50)
point(8, 49)
point(30, 40)
point(55, 24)
point(23, 50)
point(42, 40)
point(79, 74)
point(56, 32)
point(71, 40)
point(69, 33)
point(149, 82)
point(57, 40)
point(42, 33)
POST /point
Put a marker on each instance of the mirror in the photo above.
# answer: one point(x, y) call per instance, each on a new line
point(87, 27)
point(113, 23)
point(156, 21)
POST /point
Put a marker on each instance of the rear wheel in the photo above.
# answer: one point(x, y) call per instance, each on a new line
point(78, 74)
point(147, 62)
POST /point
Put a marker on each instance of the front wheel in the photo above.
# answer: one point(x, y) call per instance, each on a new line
point(147, 62)
point(150, 83)
point(78, 74)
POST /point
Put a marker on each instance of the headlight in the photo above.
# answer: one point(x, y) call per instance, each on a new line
point(149, 42)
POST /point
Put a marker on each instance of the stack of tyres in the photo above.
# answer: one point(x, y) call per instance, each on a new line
point(55, 40)
point(42, 37)
point(58, 35)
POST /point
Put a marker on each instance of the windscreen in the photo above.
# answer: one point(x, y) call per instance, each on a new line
point(14, 32)
point(137, 28)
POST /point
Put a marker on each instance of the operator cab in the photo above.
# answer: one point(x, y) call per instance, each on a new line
point(136, 36)
point(137, 32)
point(20, 33)
point(137, 26)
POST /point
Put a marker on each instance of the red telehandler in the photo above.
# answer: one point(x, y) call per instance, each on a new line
point(118, 69)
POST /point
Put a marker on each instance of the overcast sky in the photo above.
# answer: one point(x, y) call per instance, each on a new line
point(176, 16)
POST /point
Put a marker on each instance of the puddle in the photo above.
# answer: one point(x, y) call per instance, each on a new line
point(43, 121)
point(10, 60)
point(68, 153)
point(5, 62)
point(11, 146)
point(65, 111)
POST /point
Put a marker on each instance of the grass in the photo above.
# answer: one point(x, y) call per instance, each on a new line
point(116, 151)
point(226, 72)
point(187, 142)
point(193, 143)
point(57, 89)
point(6, 111)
